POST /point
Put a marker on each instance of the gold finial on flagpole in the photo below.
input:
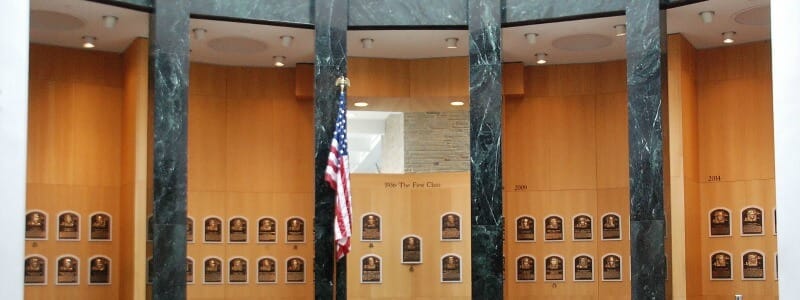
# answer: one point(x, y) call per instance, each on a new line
point(342, 82)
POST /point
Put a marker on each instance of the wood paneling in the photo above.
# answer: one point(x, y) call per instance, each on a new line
point(378, 77)
point(513, 83)
point(440, 77)
point(304, 81)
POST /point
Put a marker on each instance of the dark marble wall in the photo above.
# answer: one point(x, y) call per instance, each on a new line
point(169, 80)
point(485, 94)
point(646, 48)
point(283, 11)
point(541, 10)
point(408, 13)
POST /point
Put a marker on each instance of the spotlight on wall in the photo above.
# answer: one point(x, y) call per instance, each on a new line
point(88, 41)
point(541, 58)
point(457, 103)
point(452, 43)
point(367, 43)
point(286, 40)
point(110, 21)
point(620, 29)
point(531, 37)
point(279, 60)
point(707, 16)
point(727, 37)
point(361, 104)
point(199, 33)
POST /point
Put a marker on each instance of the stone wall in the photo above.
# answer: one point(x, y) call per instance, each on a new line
point(436, 142)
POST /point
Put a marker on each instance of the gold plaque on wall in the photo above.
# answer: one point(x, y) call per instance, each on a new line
point(100, 227)
point(212, 271)
point(612, 267)
point(36, 225)
point(582, 228)
point(100, 270)
point(237, 270)
point(212, 230)
point(526, 229)
point(451, 268)
point(371, 227)
point(411, 250)
point(584, 268)
point(451, 227)
point(752, 221)
point(554, 268)
point(266, 270)
point(295, 270)
point(68, 271)
point(526, 268)
point(719, 222)
point(35, 270)
point(69, 226)
point(553, 228)
point(295, 230)
point(237, 230)
point(189, 270)
point(189, 230)
point(753, 265)
point(721, 268)
point(611, 227)
point(371, 269)
point(267, 230)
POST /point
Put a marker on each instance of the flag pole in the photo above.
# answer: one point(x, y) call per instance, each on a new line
point(342, 82)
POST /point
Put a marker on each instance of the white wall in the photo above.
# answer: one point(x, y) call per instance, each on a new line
point(13, 142)
point(786, 106)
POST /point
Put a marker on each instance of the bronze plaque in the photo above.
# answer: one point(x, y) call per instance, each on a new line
point(584, 268)
point(69, 226)
point(371, 269)
point(752, 221)
point(100, 229)
point(451, 227)
point(189, 270)
point(721, 266)
point(295, 270)
point(720, 222)
point(237, 230)
point(553, 229)
point(526, 269)
point(266, 271)
point(611, 227)
point(267, 233)
point(212, 272)
point(371, 227)
point(295, 230)
point(35, 270)
point(525, 229)
point(582, 228)
point(451, 268)
point(612, 270)
point(412, 250)
point(752, 265)
point(189, 230)
point(554, 269)
point(100, 271)
point(212, 230)
point(67, 270)
point(36, 226)
point(237, 271)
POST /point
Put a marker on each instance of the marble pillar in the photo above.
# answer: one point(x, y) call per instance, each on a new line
point(169, 79)
point(485, 94)
point(296, 13)
point(539, 11)
point(408, 13)
point(646, 46)
point(330, 47)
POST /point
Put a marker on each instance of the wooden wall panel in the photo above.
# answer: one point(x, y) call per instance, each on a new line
point(378, 77)
point(513, 83)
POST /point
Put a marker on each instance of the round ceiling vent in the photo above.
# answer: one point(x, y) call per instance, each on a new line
point(582, 42)
point(238, 45)
point(50, 20)
point(758, 15)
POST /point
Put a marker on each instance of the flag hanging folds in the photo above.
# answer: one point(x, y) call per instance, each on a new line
point(338, 176)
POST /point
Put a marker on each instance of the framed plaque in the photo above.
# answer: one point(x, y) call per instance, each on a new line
point(612, 228)
point(68, 272)
point(582, 228)
point(35, 270)
point(295, 270)
point(753, 265)
point(150, 227)
point(371, 269)
point(411, 250)
point(721, 266)
point(189, 229)
point(612, 267)
point(69, 226)
point(526, 269)
point(451, 268)
point(776, 266)
point(99, 270)
point(371, 227)
point(526, 229)
point(584, 268)
point(100, 227)
point(267, 230)
point(212, 271)
point(267, 272)
point(189, 270)
point(774, 221)
point(719, 222)
point(554, 268)
point(553, 228)
point(752, 221)
point(451, 227)
point(237, 270)
point(212, 230)
point(237, 230)
point(295, 230)
point(36, 225)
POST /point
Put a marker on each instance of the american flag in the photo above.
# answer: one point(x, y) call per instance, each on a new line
point(338, 176)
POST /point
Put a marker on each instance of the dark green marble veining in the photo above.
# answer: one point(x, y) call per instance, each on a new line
point(539, 10)
point(285, 11)
point(408, 13)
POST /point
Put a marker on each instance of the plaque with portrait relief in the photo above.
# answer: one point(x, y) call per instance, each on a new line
point(752, 221)
point(295, 230)
point(526, 268)
point(237, 230)
point(189, 270)
point(100, 270)
point(451, 268)
point(295, 270)
point(237, 270)
point(526, 229)
point(212, 271)
point(554, 268)
point(371, 227)
point(267, 230)
point(371, 269)
point(36, 225)
point(719, 222)
point(753, 266)
point(451, 227)
point(100, 227)
point(68, 271)
point(611, 227)
point(582, 228)
point(553, 228)
point(212, 230)
point(189, 230)
point(69, 226)
point(584, 268)
point(721, 268)
point(35, 270)
point(267, 272)
point(612, 267)
point(411, 250)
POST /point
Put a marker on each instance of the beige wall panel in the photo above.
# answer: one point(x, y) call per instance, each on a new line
point(526, 137)
point(612, 140)
point(208, 80)
point(207, 127)
point(573, 160)
point(735, 62)
point(378, 77)
point(513, 79)
point(304, 81)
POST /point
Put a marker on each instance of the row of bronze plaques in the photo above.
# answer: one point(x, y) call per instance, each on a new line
point(237, 270)
point(582, 269)
point(750, 223)
point(68, 270)
point(68, 226)
point(371, 227)
point(237, 230)
point(582, 228)
point(372, 270)
point(752, 265)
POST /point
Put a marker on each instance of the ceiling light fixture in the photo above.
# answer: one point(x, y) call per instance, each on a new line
point(620, 29)
point(367, 43)
point(541, 58)
point(88, 41)
point(707, 16)
point(110, 21)
point(199, 33)
point(279, 60)
point(531, 37)
point(457, 103)
point(727, 37)
point(361, 104)
point(452, 43)
point(286, 40)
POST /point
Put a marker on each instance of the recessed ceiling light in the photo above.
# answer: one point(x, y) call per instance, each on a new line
point(620, 30)
point(279, 60)
point(457, 103)
point(361, 104)
point(88, 42)
point(531, 37)
point(286, 40)
point(707, 16)
point(541, 58)
point(367, 43)
point(452, 43)
point(727, 37)
point(110, 21)
point(199, 33)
